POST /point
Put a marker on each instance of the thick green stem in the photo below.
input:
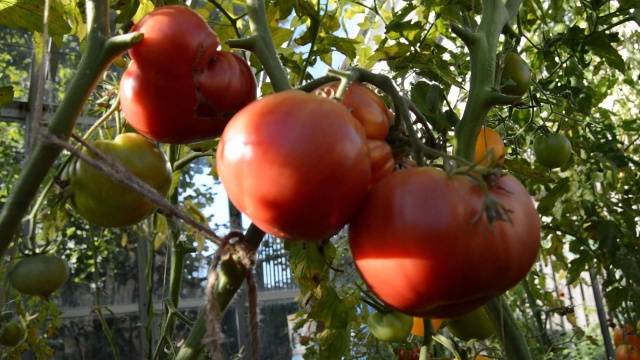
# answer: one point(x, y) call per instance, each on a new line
point(514, 344)
point(482, 45)
point(100, 52)
point(223, 293)
point(262, 45)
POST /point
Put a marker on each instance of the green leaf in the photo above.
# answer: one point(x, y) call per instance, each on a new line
point(549, 201)
point(6, 95)
point(600, 44)
point(28, 15)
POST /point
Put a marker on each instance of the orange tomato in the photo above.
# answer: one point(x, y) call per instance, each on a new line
point(482, 357)
point(627, 352)
point(626, 336)
point(489, 148)
point(418, 326)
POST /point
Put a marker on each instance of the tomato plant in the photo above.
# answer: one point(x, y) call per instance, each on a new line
point(552, 150)
point(474, 325)
point(424, 246)
point(184, 98)
point(11, 333)
point(489, 148)
point(391, 326)
point(38, 275)
point(516, 75)
point(296, 164)
point(105, 202)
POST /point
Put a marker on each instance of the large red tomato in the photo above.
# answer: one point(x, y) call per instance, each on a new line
point(421, 247)
point(179, 88)
point(296, 164)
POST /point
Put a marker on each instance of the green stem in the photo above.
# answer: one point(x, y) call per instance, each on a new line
point(178, 253)
point(514, 344)
point(482, 45)
point(99, 53)
point(183, 162)
point(223, 294)
point(107, 332)
point(261, 43)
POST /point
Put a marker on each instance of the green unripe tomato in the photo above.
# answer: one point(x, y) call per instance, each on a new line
point(104, 202)
point(474, 325)
point(38, 275)
point(552, 150)
point(392, 326)
point(11, 333)
point(516, 75)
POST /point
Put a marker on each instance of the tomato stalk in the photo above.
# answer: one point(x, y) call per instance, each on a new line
point(261, 43)
point(101, 50)
point(483, 94)
point(425, 349)
point(223, 294)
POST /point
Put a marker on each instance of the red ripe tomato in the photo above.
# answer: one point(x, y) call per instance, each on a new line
point(382, 162)
point(166, 109)
point(422, 248)
point(297, 164)
point(627, 352)
point(227, 83)
point(365, 106)
point(176, 41)
point(179, 88)
point(369, 109)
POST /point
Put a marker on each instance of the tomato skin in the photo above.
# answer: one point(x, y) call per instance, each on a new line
point(227, 83)
point(627, 352)
point(392, 326)
point(369, 109)
point(11, 333)
point(489, 148)
point(103, 201)
point(382, 162)
point(552, 150)
point(174, 30)
point(418, 325)
point(38, 275)
point(186, 98)
point(167, 109)
point(626, 335)
point(474, 325)
point(295, 163)
point(516, 75)
point(365, 105)
point(420, 247)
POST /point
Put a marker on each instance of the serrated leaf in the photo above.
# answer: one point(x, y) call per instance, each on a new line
point(600, 44)
point(28, 15)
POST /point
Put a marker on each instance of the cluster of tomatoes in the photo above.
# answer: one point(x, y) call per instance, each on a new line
point(303, 165)
point(627, 342)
